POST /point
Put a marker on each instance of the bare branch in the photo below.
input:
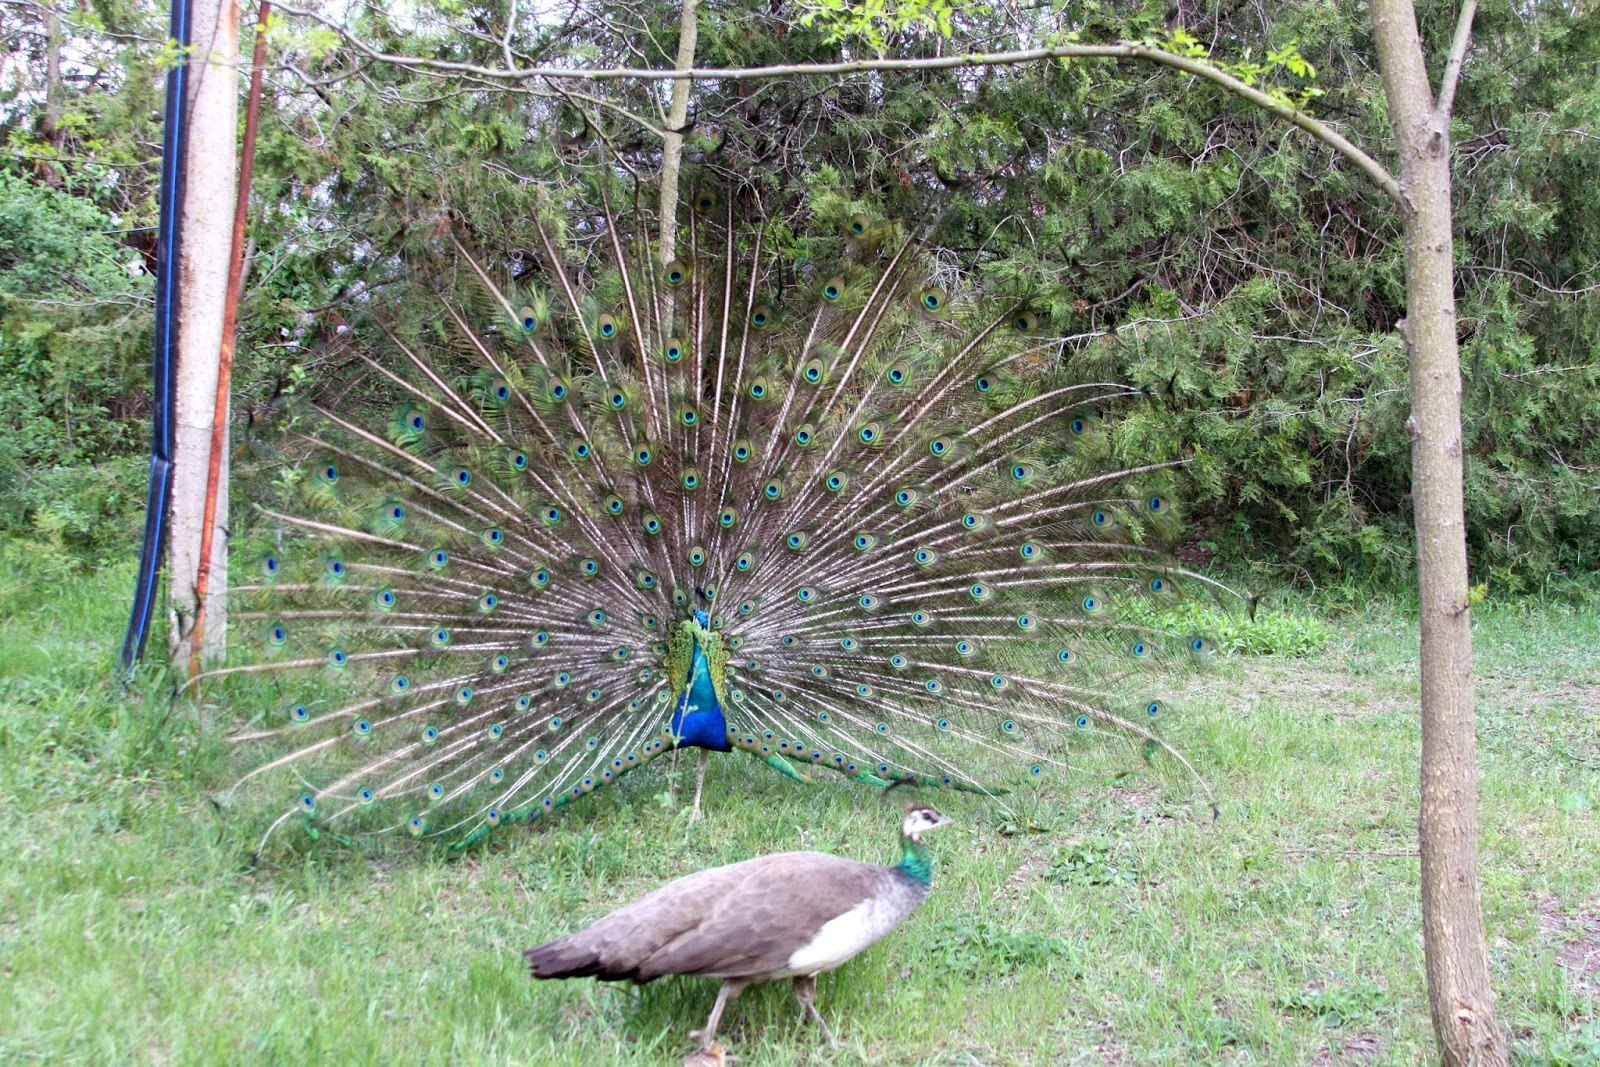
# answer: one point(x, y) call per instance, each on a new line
point(505, 41)
point(1452, 68)
point(1554, 290)
point(604, 104)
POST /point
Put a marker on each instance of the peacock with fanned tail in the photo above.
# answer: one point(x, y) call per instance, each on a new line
point(834, 516)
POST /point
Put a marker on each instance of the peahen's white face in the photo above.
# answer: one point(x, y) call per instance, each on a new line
point(920, 819)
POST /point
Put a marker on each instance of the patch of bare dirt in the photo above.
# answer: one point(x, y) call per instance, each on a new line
point(1517, 691)
point(1146, 805)
point(1019, 883)
point(1111, 1051)
point(1359, 1048)
point(1577, 943)
point(1584, 694)
point(1137, 798)
point(1318, 690)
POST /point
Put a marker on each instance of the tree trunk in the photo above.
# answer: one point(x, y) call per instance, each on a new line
point(207, 223)
point(1457, 958)
point(50, 121)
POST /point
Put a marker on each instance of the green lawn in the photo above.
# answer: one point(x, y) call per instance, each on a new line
point(1130, 929)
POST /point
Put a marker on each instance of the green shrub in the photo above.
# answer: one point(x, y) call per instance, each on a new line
point(77, 515)
point(1270, 632)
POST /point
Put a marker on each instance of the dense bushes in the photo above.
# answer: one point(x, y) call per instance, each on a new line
point(1235, 269)
point(75, 331)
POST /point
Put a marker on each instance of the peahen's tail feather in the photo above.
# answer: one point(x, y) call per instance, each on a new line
point(831, 514)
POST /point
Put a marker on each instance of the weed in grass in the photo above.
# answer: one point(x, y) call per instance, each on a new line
point(1334, 1005)
point(982, 949)
point(1090, 863)
point(1578, 1047)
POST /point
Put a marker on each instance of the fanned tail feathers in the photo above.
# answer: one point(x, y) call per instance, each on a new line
point(892, 507)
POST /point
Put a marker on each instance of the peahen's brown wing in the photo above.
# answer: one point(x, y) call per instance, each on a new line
point(742, 920)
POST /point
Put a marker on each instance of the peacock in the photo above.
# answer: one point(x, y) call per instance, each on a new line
point(832, 508)
point(788, 915)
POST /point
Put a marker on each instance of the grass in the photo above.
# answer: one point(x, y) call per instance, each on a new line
point(1129, 928)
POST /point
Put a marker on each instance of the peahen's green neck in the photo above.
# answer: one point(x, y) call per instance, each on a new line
point(915, 862)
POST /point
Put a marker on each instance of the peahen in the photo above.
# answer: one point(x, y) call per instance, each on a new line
point(828, 512)
point(789, 915)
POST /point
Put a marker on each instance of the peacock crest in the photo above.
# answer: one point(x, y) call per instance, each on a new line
point(840, 514)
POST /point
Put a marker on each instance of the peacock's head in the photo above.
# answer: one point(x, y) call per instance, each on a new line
point(920, 818)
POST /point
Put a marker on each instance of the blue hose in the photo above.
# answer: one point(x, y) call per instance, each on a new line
point(174, 149)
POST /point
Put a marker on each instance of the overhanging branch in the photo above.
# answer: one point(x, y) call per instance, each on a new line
point(1122, 50)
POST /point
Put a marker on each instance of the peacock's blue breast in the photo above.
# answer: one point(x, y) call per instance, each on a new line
point(698, 721)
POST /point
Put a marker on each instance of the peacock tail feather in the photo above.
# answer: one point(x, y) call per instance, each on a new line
point(834, 515)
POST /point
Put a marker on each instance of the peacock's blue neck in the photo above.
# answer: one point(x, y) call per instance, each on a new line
point(915, 863)
point(697, 721)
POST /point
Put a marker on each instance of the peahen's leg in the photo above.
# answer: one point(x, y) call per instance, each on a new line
point(805, 991)
point(731, 988)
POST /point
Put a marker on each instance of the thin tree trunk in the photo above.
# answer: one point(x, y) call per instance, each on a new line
point(216, 474)
point(202, 279)
point(672, 142)
point(1457, 958)
point(50, 121)
point(50, 124)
